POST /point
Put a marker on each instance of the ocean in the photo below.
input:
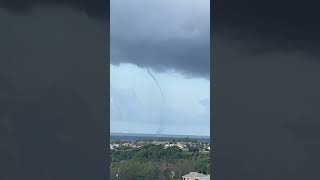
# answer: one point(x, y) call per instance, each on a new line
point(134, 137)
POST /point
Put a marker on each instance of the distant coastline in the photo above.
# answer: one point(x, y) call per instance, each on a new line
point(156, 135)
point(139, 136)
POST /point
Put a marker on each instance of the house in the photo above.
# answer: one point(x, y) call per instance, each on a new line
point(181, 146)
point(115, 145)
point(207, 177)
point(135, 146)
point(196, 176)
point(126, 144)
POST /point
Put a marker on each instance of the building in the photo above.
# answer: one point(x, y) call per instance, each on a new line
point(196, 176)
point(181, 145)
point(115, 145)
point(135, 146)
point(126, 144)
point(207, 177)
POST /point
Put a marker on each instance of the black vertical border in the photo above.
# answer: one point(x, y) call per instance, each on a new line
point(213, 90)
point(107, 90)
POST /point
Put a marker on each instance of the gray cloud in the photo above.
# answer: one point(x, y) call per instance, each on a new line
point(162, 35)
point(263, 100)
point(268, 100)
point(269, 26)
point(94, 8)
point(51, 95)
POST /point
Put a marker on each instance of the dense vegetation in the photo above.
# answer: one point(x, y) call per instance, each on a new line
point(154, 162)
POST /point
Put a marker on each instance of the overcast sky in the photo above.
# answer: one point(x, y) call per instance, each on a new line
point(172, 40)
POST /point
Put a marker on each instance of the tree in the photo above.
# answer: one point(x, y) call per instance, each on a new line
point(135, 170)
point(193, 149)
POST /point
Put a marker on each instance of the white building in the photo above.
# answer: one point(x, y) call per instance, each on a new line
point(126, 144)
point(115, 145)
point(207, 177)
point(181, 146)
point(196, 176)
point(136, 146)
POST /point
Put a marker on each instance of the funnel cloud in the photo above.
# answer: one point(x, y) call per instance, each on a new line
point(165, 59)
point(161, 125)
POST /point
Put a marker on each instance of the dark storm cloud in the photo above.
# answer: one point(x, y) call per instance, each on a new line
point(269, 115)
point(266, 26)
point(164, 35)
point(94, 8)
point(183, 55)
point(173, 41)
point(268, 95)
point(52, 94)
point(268, 91)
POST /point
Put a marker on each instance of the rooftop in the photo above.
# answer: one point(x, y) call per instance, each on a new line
point(194, 175)
point(207, 177)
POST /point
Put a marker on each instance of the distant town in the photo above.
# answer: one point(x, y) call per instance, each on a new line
point(122, 141)
point(183, 144)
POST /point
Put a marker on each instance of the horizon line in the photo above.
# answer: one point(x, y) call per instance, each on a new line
point(159, 134)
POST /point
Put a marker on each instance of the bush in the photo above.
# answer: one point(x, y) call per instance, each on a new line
point(135, 170)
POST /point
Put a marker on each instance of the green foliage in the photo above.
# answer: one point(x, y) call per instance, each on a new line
point(144, 163)
point(201, 165)
point(135, 170)
point(122, 155)
point(194, 149)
